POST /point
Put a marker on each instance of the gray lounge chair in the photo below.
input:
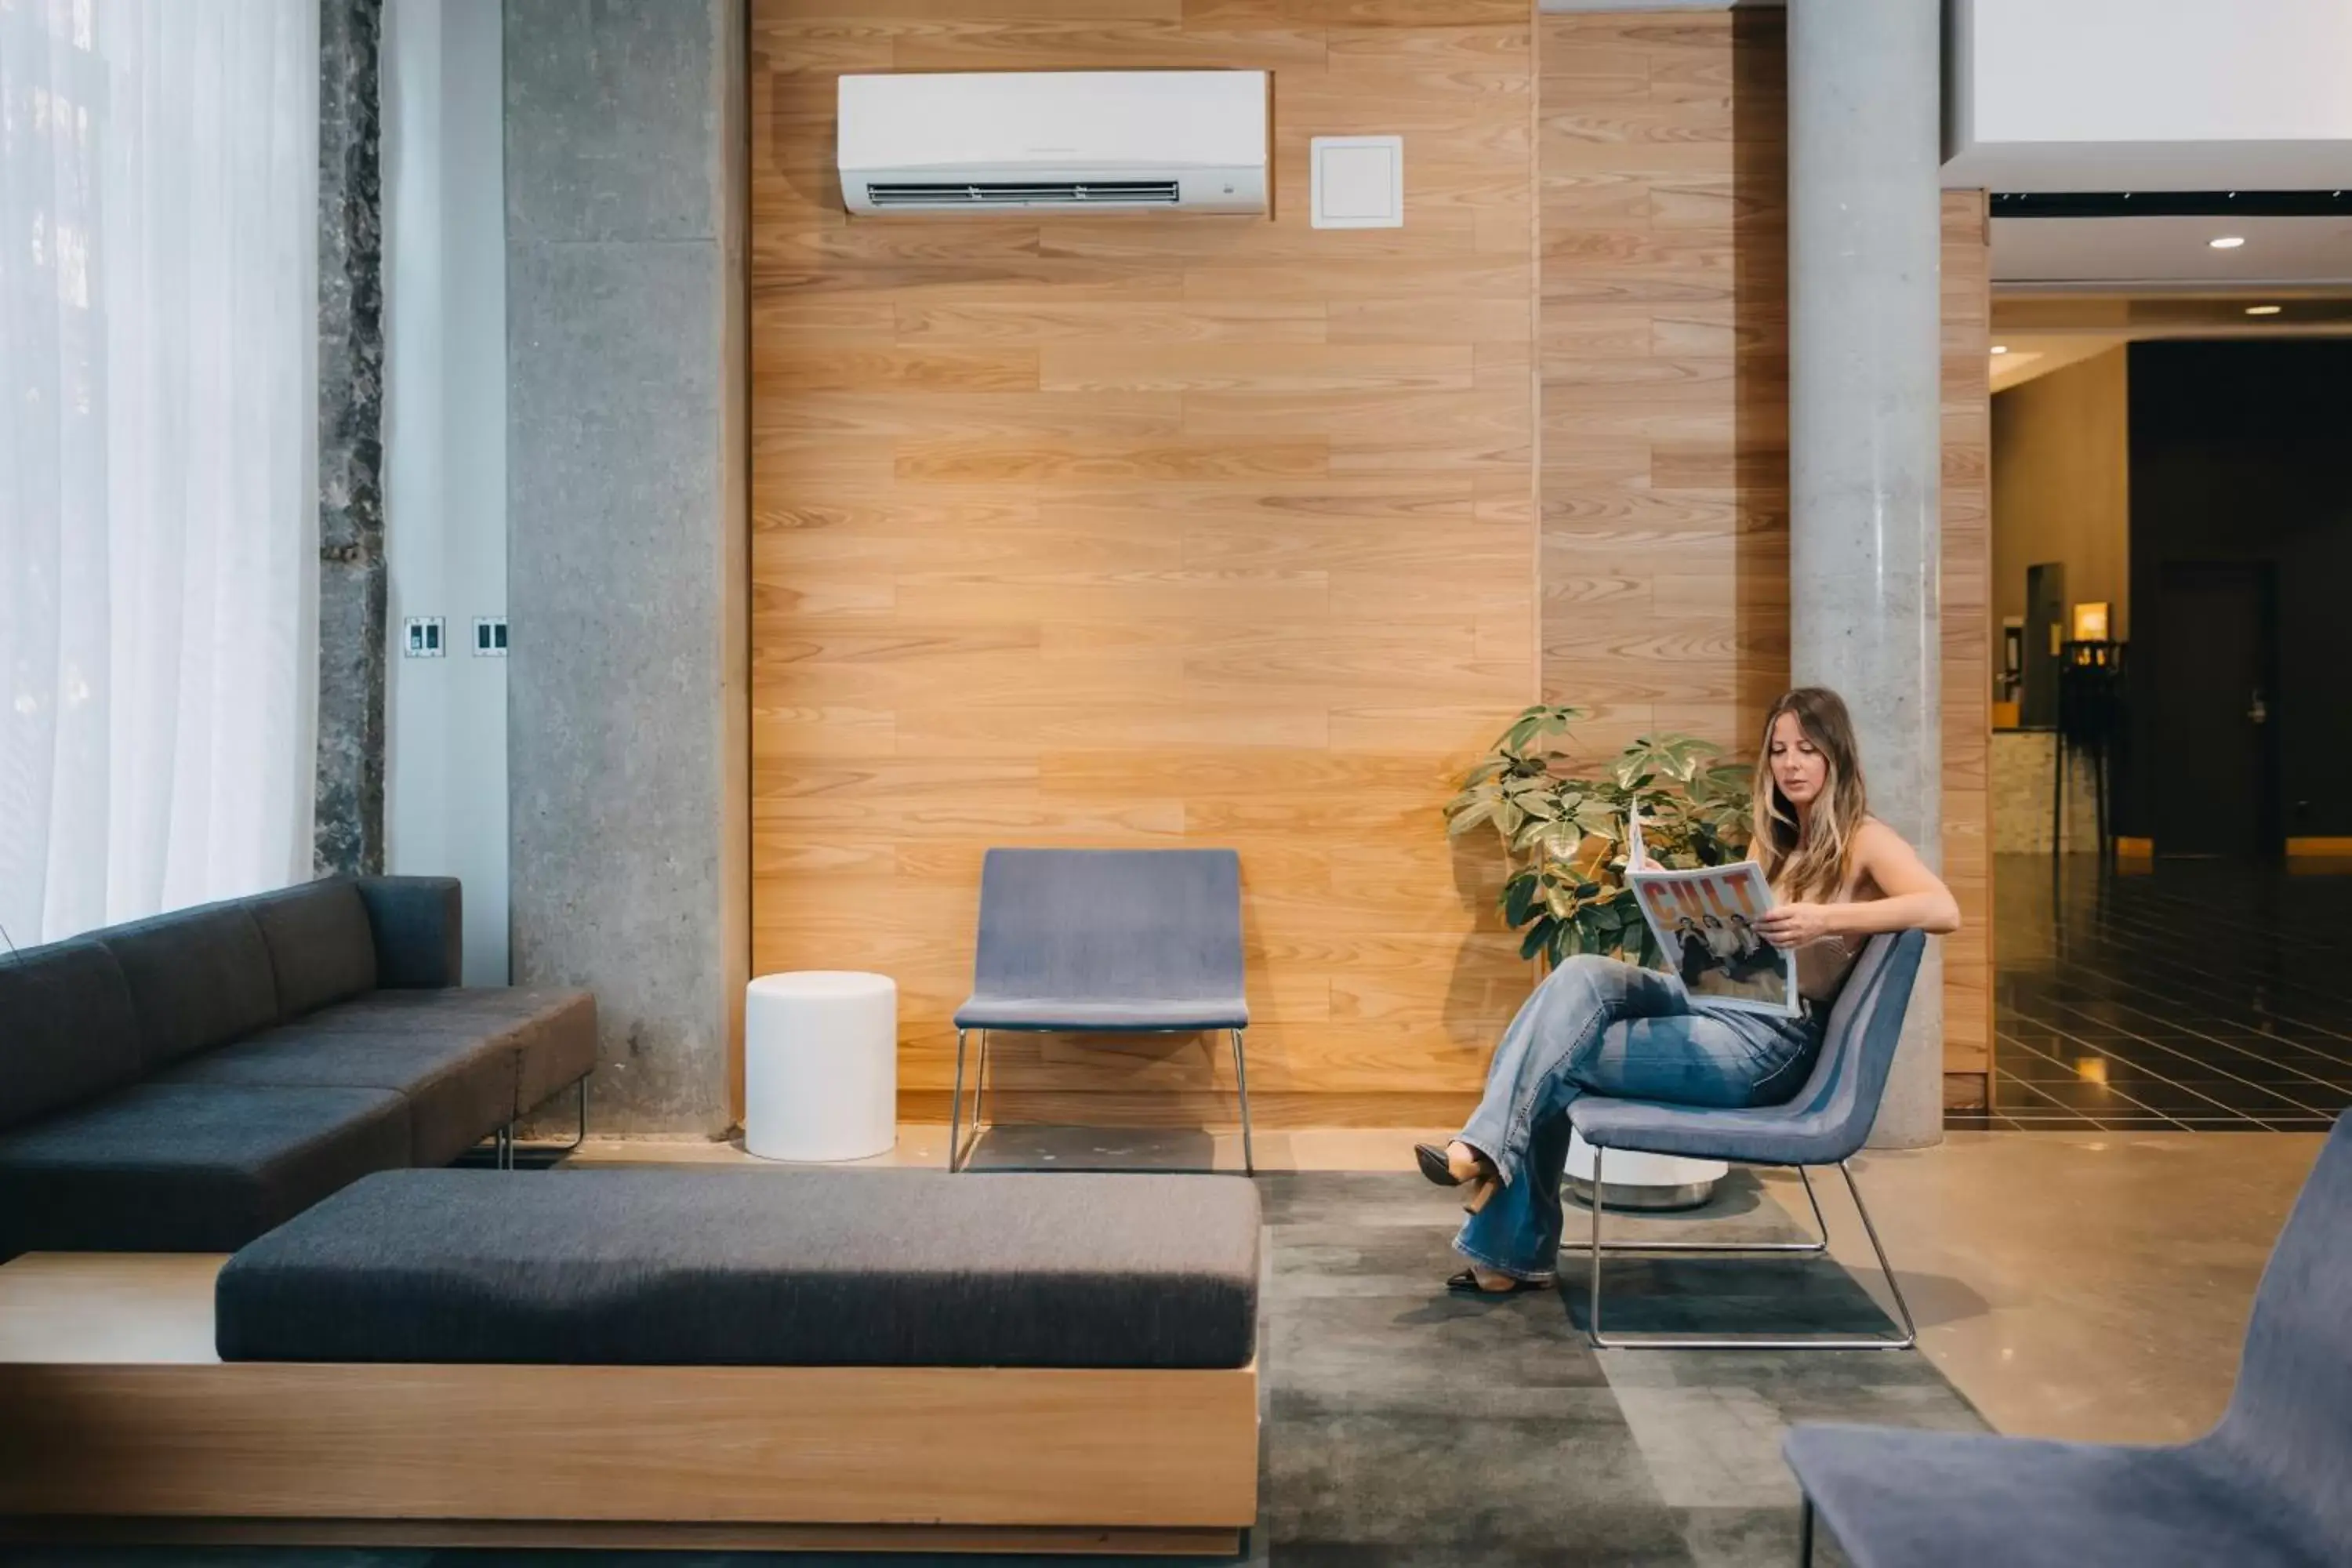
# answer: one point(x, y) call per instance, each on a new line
point(2269, 1486)
point(1103, 941)
point(1823, 1125)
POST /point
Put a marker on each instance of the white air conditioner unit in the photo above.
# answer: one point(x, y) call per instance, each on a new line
point(1054, 142)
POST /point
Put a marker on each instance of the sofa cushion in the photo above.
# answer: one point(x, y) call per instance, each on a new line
point(551, 1032)
point(457, 1077)
point(890, 1267)
point(67, 1030)
point(322, 948)
point(199, 978)
point(188, 1167)
point(420, 929)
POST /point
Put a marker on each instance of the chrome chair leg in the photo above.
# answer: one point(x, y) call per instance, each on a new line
point(1894, 1288)
point(1241, 1078)
point(1669, 1342)
point(1821, 1242)
point(955, 1109)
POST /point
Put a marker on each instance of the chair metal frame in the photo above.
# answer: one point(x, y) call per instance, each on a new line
point(960, 1156)
point(1671, 1342)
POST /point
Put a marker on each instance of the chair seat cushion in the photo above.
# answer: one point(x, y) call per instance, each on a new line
point(1924, 1499)
point(1763, 1135)
point(892, 1268)
point(189, 1167)
point(1144, 1015)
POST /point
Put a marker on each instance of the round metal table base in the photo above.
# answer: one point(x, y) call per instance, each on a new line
point(1648, 1200)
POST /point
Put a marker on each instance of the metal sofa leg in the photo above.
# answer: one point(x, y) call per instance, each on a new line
point(510, 1147)
point(1666, 1341)
point(1805, 1533)
point(1241, 1078)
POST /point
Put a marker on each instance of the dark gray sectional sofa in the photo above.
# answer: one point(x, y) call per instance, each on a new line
point(185, 1083)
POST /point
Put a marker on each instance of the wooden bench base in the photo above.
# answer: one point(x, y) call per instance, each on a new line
point(525, 1535)
point(121, 1420)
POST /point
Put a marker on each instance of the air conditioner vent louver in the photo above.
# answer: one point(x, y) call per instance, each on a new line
point(999, 193)
point(1150, 145)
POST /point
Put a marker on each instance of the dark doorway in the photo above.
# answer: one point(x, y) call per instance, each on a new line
point(2215, 770)
point(2046, 629)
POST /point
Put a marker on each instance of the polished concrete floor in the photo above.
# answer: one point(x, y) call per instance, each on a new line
point(2070, 1284)
point(2188, 996)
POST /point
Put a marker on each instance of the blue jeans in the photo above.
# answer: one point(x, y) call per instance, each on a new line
point(1603, 1026)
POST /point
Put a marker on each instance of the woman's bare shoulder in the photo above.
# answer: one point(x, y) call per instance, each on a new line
point(1875, 840)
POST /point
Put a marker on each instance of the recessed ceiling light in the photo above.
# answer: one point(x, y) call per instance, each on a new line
point(2000, 348)
point(2228, 242)
point(2264, 309)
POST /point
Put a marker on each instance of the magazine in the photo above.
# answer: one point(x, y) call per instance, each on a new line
point(1705, 922)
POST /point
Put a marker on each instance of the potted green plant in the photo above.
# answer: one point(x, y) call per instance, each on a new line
point(1564, 831)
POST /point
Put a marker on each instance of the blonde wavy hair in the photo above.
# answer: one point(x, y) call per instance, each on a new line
point(1807, 860)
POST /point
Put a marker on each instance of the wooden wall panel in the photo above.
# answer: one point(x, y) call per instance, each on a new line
point(1145, 532)
point(1663, 347)
point(1665, 368)
point(1116, 533)
point(1968, 644)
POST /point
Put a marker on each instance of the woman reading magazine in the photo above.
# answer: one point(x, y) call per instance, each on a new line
point(1604, 1027)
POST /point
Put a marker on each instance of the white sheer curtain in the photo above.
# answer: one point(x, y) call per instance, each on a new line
point(158, 330)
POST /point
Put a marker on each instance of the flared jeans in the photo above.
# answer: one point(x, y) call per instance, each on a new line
point(1602, 1027)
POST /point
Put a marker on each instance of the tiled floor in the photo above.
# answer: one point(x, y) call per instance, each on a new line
point(2197, 995)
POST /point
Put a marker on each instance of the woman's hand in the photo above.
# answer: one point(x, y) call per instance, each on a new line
point(1794, 925)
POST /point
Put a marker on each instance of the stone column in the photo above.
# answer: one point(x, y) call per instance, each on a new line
point(347, 833)
point(626, 552)
point(1865, 442)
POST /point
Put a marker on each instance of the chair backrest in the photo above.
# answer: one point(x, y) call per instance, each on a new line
point(2290, 1418)
point(1865, 1024)
point(1110, 925)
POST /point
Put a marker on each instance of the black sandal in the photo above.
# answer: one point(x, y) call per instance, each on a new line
point(1435, 1165)
point(1439, 1169)
point(1467, 1284)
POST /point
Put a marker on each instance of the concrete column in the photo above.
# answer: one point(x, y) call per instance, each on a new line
point(628, 772)
point(1865, 442)
point(347, 795)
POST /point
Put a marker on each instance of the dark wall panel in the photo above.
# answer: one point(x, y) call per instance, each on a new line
point(2242, 451)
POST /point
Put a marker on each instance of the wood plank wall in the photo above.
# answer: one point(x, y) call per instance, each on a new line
point(1663, 361)
point(1966, 624)
point(1070, 533)
point(1122, 532)
point(1663, 347)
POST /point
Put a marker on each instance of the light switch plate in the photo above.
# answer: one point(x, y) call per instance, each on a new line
point(1359, 182)
point(422, 637)
point(490, 637)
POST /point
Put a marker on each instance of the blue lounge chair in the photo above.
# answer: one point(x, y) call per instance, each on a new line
point(2271, 1487)
point(1104, 940)
point(1823, 1125)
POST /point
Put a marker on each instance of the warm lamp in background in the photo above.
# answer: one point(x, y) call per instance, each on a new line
point(2091, 623)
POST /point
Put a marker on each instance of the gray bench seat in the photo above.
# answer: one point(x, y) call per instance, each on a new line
point(672, 1267)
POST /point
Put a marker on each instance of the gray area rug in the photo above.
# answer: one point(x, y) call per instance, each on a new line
point(1407, 1426)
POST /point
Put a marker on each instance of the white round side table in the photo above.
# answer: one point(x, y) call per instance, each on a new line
point(820, 1065)
point(1636, 1181)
